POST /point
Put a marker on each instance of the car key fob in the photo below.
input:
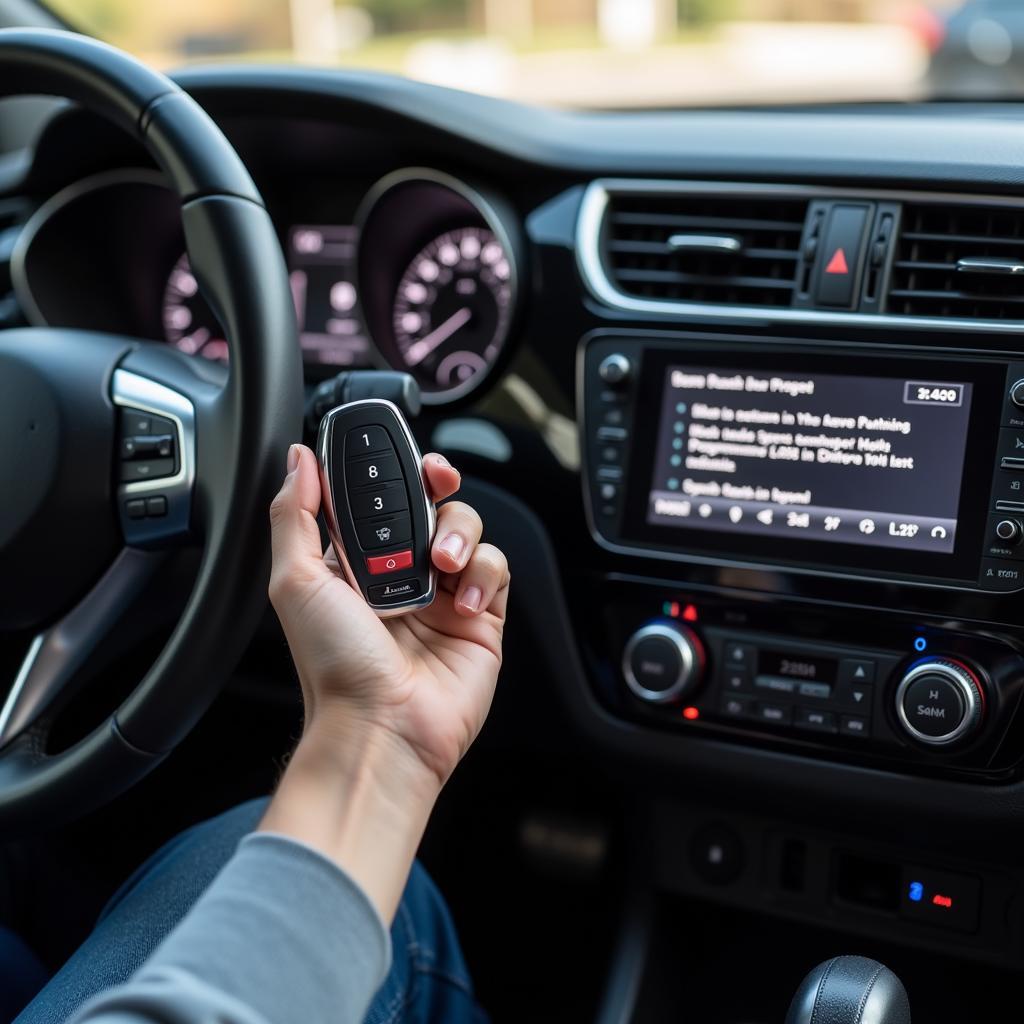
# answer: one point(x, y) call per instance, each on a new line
point(379, 514)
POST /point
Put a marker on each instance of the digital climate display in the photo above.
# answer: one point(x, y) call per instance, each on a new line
point(859, 460)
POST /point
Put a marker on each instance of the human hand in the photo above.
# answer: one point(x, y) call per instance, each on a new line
point(421, 682)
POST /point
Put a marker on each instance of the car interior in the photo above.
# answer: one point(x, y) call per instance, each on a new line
point(736, 390)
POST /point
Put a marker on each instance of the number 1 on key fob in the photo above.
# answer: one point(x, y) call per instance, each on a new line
point(379, 515)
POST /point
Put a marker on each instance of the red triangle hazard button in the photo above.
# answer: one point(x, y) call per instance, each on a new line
point(837, 265)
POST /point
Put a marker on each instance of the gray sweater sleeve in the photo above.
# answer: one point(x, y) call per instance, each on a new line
point(281, 935)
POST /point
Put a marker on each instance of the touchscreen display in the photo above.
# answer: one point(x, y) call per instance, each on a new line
point(864, 460)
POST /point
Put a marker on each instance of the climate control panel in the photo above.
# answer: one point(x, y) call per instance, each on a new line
point(924, 696)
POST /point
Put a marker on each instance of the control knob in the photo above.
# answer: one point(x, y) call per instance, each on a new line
point(663, 662)
point(1017, 394)
point(614, 370)
point(1008, 531)
point(940, 701)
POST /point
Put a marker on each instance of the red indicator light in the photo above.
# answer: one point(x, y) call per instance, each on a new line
point(691, 714)
point(942, 901)
point(672, 607)
point(690, 614)
point(837, 265)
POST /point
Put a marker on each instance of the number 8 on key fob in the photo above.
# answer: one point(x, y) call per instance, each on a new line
point(379, 515)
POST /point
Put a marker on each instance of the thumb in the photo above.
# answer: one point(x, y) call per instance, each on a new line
point(294, 534)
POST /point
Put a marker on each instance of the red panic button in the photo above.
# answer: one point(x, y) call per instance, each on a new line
point(380, 564)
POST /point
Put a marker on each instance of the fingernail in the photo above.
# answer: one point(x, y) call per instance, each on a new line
point(441, 460)
point(452, 546)
point(293, 458)
point(471, 598)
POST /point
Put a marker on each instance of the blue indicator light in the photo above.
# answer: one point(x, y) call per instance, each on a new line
point(920, 644)
point(916, 892)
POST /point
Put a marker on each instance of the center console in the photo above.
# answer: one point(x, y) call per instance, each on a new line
point(897, 471)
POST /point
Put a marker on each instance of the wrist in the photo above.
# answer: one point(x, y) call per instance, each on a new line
point(352, 792)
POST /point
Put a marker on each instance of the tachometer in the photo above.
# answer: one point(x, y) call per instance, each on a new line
point(452, 309)
point(189, 323)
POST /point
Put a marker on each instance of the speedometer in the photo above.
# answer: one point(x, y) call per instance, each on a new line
point(189, 323)
point(452, 309)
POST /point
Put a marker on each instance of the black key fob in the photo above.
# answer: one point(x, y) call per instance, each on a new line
point(379, 515)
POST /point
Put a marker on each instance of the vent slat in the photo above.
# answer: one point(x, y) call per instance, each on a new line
point(640, 261)
point(933, 237)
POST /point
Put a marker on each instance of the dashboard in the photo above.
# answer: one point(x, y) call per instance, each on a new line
point(741, 393)
point(420, 274)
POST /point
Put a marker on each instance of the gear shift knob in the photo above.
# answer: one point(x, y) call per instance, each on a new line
point(850, 990)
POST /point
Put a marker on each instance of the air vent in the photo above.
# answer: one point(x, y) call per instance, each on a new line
point(959, 261)
point(695, 247)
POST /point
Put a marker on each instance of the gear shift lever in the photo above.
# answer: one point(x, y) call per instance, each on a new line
point(850, 990)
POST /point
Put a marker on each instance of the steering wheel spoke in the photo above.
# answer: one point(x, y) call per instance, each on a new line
point(51, 667)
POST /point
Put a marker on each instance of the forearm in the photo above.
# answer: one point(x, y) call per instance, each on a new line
point(352, 792)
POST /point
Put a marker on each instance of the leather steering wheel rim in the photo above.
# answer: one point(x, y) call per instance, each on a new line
point(242, 429)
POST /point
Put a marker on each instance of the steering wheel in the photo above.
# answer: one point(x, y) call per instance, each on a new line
point(114, 450)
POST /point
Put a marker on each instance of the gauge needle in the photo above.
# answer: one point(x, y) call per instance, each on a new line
point(419, 351)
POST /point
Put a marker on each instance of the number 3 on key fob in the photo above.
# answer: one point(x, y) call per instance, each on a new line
point(379, 515)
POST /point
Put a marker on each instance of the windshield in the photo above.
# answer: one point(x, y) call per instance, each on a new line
point(602, 53)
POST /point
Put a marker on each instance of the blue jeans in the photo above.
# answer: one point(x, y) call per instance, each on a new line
point(428, 981)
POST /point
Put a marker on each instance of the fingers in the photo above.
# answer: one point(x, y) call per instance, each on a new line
point(443, 478)
point(295, 537)
point(458, 532)
point(483, 585)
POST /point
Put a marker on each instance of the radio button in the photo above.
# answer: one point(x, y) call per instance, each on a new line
point(858, 671)
point(854, 725)
point(815, 721)
point(663, 662)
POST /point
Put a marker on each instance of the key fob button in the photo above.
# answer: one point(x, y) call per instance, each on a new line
point(367, 472)
point(366, 441)
point(379, 533)
point(400, 590)
point(376, 501)
point(396, 561)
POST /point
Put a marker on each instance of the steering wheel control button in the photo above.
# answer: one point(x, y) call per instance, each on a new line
point(377, 501)
point(378, 565)
point(149, 469)
point(372, 471)
point(839, 256)
point(367, 441)
point(136, 508)
point(156, 507)
point(381, 533)
point(379, 516)
point(614, 369)
point(663, 662)
point(939, 701)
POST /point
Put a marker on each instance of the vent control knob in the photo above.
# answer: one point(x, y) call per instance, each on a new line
point(663, 662)
point(940, 702)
